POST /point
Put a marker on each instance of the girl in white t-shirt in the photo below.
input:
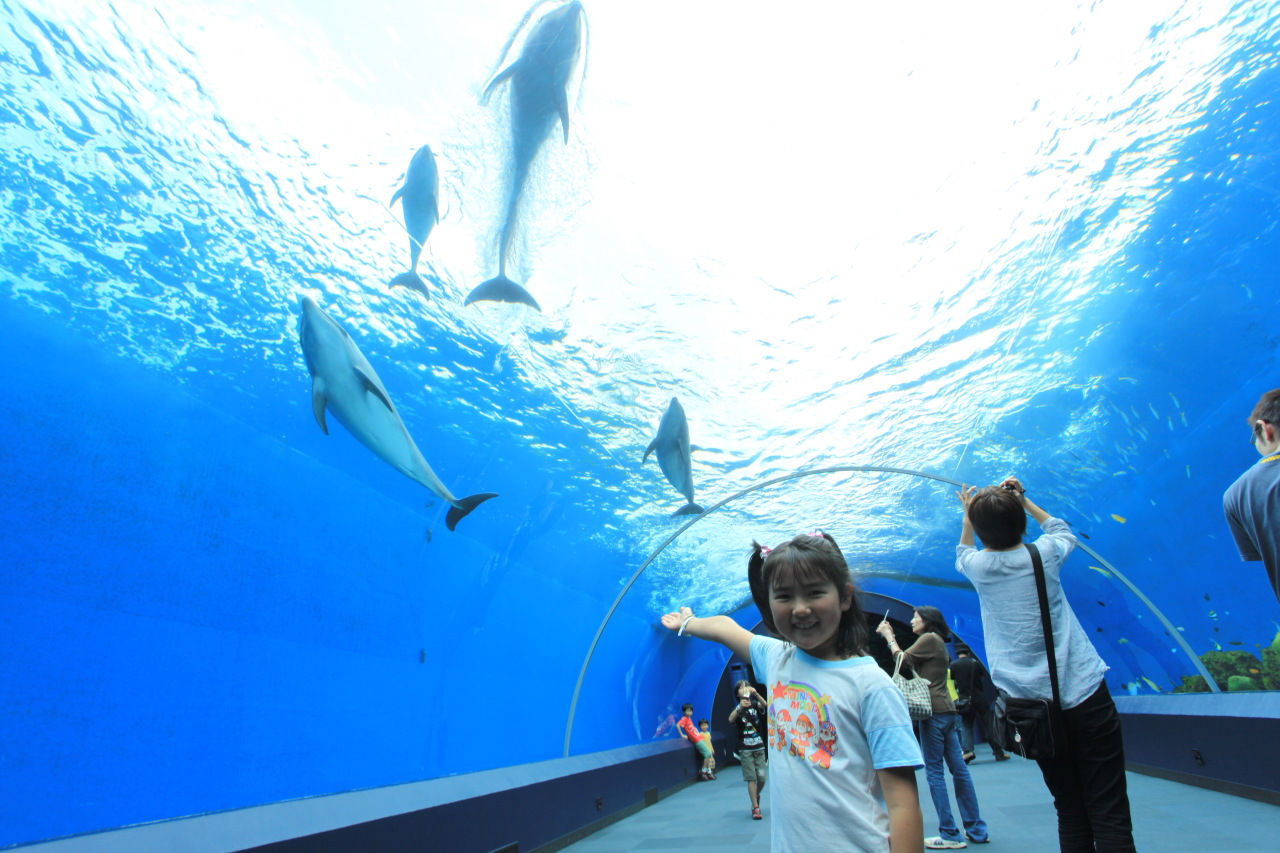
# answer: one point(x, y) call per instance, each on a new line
point(843, 755)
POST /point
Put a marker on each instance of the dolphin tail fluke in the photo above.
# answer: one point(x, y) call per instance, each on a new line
point(690, 508)
point(411, 280)
point(502, 289)
point(464, 507)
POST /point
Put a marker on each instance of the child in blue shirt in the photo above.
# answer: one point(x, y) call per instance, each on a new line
point(843, 753)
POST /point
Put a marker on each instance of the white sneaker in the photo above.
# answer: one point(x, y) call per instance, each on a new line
point(940, 843)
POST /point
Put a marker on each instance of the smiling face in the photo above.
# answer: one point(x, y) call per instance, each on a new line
point(807, 612)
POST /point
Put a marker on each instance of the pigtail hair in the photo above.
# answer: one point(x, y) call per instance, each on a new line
point(759, 590)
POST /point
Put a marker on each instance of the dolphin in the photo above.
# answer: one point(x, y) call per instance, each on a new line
point(418, 201)
point(675, 455)
point(539, 80)
point(343, 381)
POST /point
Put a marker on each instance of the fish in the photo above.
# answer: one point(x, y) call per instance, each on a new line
point(419, 202)
point(539, 80)
point(344, 383)
point(1119, 518)
point(675, 455)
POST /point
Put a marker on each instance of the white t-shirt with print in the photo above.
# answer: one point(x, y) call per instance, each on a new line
point(832, 724)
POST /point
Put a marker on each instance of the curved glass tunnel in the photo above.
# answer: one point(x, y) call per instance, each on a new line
point(838, 236)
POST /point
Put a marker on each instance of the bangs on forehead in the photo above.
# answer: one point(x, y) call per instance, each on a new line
point(792, 568)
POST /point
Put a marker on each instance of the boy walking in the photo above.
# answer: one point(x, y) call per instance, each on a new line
point(748, 716)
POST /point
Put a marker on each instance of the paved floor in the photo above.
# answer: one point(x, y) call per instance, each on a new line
point(715, 817)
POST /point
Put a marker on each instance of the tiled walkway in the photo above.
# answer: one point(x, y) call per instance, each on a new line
point(715, 817)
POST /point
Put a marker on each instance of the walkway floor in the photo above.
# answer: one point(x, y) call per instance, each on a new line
point(715, 817)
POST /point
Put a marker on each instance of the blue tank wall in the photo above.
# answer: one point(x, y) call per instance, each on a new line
point(208, 604)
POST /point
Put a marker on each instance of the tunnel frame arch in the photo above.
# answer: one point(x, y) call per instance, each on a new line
point(847, 469)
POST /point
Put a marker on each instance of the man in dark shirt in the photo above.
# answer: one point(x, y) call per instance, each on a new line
point(970, 678)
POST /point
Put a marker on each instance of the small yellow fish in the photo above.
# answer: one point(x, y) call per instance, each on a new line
point(1103, 572)
point(1188, 472)
point(1151, 684)
point(1121, 640)
point(1213, 615)
point(1119, 518)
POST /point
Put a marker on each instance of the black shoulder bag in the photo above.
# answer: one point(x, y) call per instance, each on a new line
point(1033, 728)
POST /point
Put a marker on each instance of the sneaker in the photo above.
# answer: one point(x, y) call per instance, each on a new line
point(968, 756)
point(1002, 756)
point(940, 843)
point(755, 813)
point(973, 840)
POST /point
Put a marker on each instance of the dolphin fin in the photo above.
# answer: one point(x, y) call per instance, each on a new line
point(694, 447)
point(318, 401)
point(496, 81)
point(464, 507)
point(372, 388)
point(690, 508)
point(411, 280)
point(653, 444)
point(501, 289)
point(396, 197)
point(562, 106)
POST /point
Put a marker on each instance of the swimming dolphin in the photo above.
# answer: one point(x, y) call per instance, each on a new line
point(418, 201)
point(539, 78)
point(343, 381)
point(675, 455)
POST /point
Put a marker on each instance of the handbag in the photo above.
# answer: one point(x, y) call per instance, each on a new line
point(915, 690)
point(1034, 728)
point(962, 706)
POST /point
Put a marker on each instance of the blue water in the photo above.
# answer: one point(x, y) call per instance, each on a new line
point(1066, 274)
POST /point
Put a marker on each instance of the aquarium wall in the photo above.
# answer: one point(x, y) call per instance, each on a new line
point(338, 440)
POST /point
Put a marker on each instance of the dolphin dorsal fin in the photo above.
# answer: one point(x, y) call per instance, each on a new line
point(318, 401)
point(694, 447)
point(396, 197)
point(372, 388)
point(653, 444)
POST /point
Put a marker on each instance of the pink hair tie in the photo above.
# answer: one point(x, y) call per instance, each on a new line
point(818, 534)
point(765, 551)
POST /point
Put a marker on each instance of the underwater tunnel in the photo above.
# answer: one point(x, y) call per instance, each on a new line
point(378, 374)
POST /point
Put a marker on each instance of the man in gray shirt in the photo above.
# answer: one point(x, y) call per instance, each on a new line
point(1252, 504)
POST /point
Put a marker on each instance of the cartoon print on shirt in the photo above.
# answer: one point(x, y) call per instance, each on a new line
point(800, 737)
point(826, 745)
point(792, 711)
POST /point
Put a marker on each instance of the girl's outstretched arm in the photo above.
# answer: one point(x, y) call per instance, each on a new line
point(717, 629)
point(906, 824)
